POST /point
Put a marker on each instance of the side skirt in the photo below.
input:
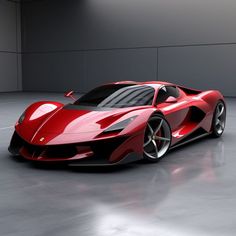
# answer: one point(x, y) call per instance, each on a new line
point(190, 140)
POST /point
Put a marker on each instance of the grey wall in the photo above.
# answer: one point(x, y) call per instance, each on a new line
point(84, 70)
point(10, 58)
point(81, 43)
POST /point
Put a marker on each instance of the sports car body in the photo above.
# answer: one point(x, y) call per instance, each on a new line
point(118, 123)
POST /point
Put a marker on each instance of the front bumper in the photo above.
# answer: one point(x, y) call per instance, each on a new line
point(113, 151)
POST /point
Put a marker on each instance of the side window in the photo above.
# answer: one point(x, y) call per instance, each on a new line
point(173, 91)
point(166, 92)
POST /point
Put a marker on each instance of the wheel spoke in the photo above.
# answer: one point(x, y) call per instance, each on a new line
point(155, 147)
point(221, 112)
point(150, 129)
point(217, 121)
point(222, 125)
point(162, 138)
point(149, 141)
point(159, 127)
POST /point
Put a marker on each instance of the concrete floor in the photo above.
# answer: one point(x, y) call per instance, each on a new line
point(191, 192)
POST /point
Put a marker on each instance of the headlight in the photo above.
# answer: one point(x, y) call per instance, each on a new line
point(120, 125)
point(22, 117)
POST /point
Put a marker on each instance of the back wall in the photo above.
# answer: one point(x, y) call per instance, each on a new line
point(10, 47)
point(78, 44)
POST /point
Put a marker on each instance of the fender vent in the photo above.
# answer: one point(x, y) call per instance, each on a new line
point(196, 114)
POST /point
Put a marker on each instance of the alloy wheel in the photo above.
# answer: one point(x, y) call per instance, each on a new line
point(157, 138)
point(220, 115)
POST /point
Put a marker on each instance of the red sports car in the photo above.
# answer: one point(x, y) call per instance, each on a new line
point(118, 123)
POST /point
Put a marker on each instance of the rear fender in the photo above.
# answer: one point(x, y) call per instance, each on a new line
point(212, 97)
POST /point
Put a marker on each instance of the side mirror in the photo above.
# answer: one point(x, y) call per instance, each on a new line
point(70, 94)
point(171, 100)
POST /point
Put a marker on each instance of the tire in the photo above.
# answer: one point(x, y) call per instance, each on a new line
point(157, 138)
point(219, 120)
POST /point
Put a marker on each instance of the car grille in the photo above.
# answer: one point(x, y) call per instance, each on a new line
point(51, 151)
point(101, 149)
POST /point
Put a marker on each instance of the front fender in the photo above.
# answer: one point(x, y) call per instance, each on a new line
point(35, 115)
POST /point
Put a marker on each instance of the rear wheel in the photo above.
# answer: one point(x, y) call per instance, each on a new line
point(157, 138)
point(219, 118)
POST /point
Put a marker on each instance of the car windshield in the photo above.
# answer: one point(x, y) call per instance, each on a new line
point(118, 95)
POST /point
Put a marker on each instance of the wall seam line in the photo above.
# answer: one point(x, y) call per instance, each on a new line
point(127, 48)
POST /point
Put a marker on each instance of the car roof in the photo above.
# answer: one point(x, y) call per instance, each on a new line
point(154, 84)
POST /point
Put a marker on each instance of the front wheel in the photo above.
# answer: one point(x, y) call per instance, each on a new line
point(157, 138)
point(219, 118)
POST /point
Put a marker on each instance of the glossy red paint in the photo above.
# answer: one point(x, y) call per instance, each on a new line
point(49, 124)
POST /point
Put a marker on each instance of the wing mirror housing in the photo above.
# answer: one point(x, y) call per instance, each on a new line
point(70, 94)
point(171, 100)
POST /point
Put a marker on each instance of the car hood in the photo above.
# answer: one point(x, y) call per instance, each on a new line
point(72, 120)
